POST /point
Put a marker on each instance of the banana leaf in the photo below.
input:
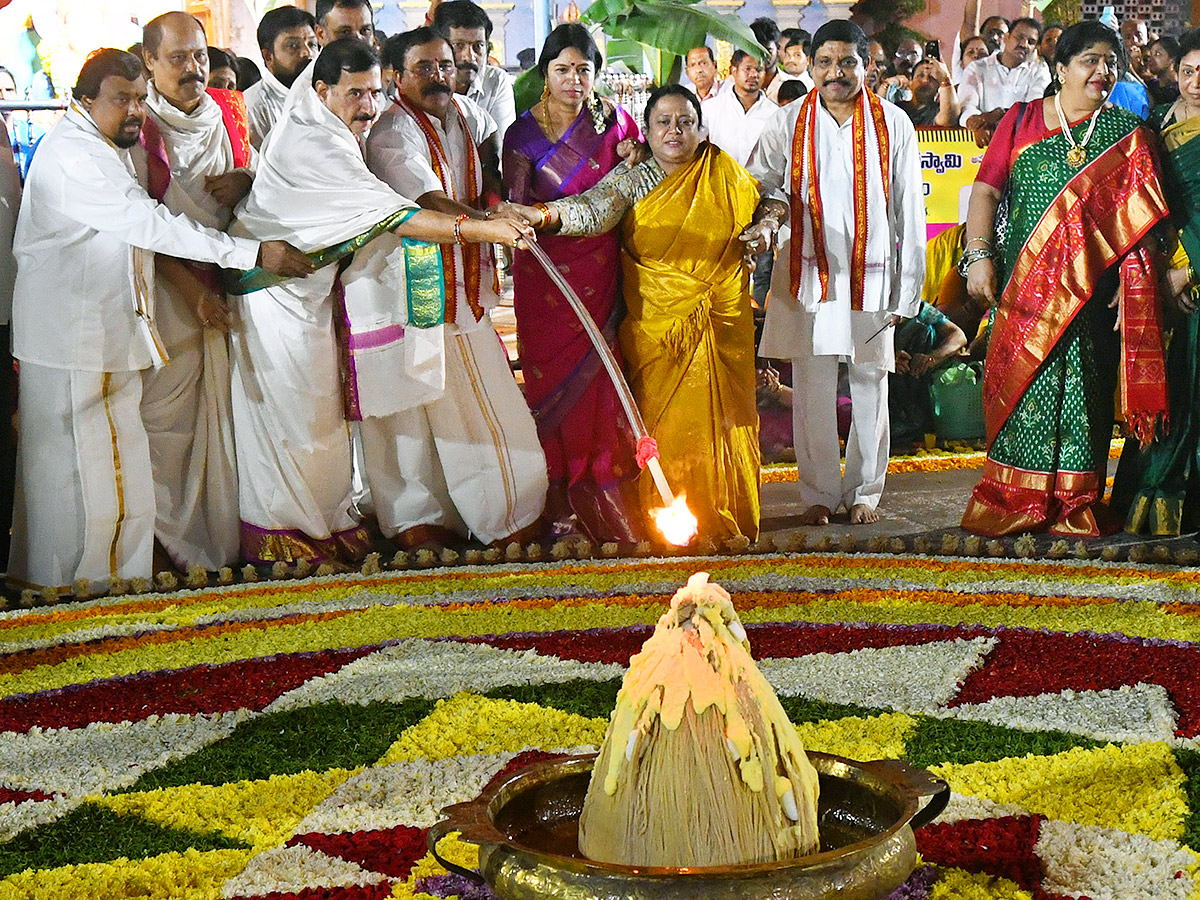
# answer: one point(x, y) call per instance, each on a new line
point(677, 27)
point(527, 89)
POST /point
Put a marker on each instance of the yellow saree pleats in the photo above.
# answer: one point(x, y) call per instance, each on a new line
point(688, 340)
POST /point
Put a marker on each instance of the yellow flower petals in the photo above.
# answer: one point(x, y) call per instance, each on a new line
point(1138, 788)
point(877, 737)
point(955, 884)
point(192, 875)
point(261, 813)
point(467, 724)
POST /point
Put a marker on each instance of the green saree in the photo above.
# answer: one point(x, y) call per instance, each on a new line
point(1053, 359)
point(1168, 472)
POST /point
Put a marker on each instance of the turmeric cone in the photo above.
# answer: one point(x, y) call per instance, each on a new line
point(700, 765)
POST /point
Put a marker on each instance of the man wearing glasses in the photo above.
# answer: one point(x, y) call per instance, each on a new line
point(467, 461)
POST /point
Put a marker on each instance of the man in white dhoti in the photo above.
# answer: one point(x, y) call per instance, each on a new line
point(848, 165)
point(84, 329)
point(287, 39)
point(468, 461)
point(196, 140)
point(311, 354)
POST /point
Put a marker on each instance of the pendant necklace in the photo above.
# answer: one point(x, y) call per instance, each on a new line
point(1077, 154)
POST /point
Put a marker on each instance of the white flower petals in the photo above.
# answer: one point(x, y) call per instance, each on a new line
point(920, 678)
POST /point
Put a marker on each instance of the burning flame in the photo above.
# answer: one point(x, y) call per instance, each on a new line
point(676, 522)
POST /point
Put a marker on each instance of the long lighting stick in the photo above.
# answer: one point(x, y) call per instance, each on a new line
point(647, 449)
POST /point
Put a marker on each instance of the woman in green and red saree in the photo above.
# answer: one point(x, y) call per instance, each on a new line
point(1167, 498)
point(1059, 214)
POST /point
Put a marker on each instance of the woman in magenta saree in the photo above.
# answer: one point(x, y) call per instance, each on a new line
point(556, 150)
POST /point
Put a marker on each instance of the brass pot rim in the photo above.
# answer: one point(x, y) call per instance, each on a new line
point(474, 820)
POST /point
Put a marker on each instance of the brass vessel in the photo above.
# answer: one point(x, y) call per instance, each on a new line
point(527, 829)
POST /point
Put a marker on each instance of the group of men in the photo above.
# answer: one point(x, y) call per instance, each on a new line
point(351, 365)
point(168, 417)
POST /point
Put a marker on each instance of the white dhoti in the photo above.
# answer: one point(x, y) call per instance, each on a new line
point(85, 496)
point(186, 410)
point(814, 413)
point(469, 461)
point(293, 444)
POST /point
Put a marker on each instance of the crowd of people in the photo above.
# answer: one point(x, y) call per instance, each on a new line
point(253, 325)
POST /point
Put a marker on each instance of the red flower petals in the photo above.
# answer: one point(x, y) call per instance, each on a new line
point(392, 851)
point(1027, 663)
point(1003, 846)
point(380, 891)
point(246, 684)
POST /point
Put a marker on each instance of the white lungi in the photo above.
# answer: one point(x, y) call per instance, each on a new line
point(83, 447)
point(293, 444)
point(469, 461)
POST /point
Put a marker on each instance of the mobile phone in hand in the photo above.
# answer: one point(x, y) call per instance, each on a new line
point(933, 50)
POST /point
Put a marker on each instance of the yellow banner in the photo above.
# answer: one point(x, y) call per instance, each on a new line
point(949, 162)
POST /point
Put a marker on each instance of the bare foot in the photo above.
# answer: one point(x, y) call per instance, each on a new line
point(816, 515)
point(861, 514)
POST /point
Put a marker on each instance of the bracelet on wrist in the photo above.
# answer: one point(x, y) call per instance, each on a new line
point(970, 257)
point(979, 240)
point(546, 216)
point(458, 238)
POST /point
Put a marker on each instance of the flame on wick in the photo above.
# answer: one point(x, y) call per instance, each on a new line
point(676, 522)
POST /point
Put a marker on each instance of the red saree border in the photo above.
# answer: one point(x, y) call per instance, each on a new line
point(1009, 500)
point(1099, 216)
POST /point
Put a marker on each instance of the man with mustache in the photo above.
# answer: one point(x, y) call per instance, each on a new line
point(84, 329)
point(287, 38)
point(196, 139)
point(1013, 75)
point(843, 169)
point(468, 29)
point(439, 148)
point(300, 379)
point(338, 19)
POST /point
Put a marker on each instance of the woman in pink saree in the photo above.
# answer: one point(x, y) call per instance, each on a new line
point(562, 146)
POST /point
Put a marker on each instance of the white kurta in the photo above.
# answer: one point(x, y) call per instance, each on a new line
point(492, 90)
point(732, 127)
point(264, 104)
point(85, 247)
point(988, 84)
point(186, 405)
point(815, 335)
point(469, 460)
point(294, 454)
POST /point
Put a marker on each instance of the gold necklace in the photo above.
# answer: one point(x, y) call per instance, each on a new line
point(1077, 154)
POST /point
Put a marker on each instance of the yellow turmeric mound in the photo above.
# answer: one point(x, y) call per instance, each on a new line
point(700, 765)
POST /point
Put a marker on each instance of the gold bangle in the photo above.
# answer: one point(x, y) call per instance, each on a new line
point(546, 216)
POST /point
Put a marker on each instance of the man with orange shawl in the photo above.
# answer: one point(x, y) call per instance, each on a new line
point(849, 166)
point(688, 338)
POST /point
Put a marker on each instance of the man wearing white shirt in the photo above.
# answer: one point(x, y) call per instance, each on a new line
point(993, 84)
point(794, 44)
point(84, 330)
point(735, 118)
point(702, 72)
point(469, 30)
point(199, 143)
point(468, 461)
point(855, 258)
point(287, 39)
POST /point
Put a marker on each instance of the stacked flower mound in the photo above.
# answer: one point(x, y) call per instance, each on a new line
point(296, 740)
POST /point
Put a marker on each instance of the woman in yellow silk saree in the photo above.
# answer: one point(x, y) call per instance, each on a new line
point(688, 336)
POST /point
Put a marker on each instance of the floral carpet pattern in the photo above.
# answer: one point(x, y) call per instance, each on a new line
point(295, 740)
